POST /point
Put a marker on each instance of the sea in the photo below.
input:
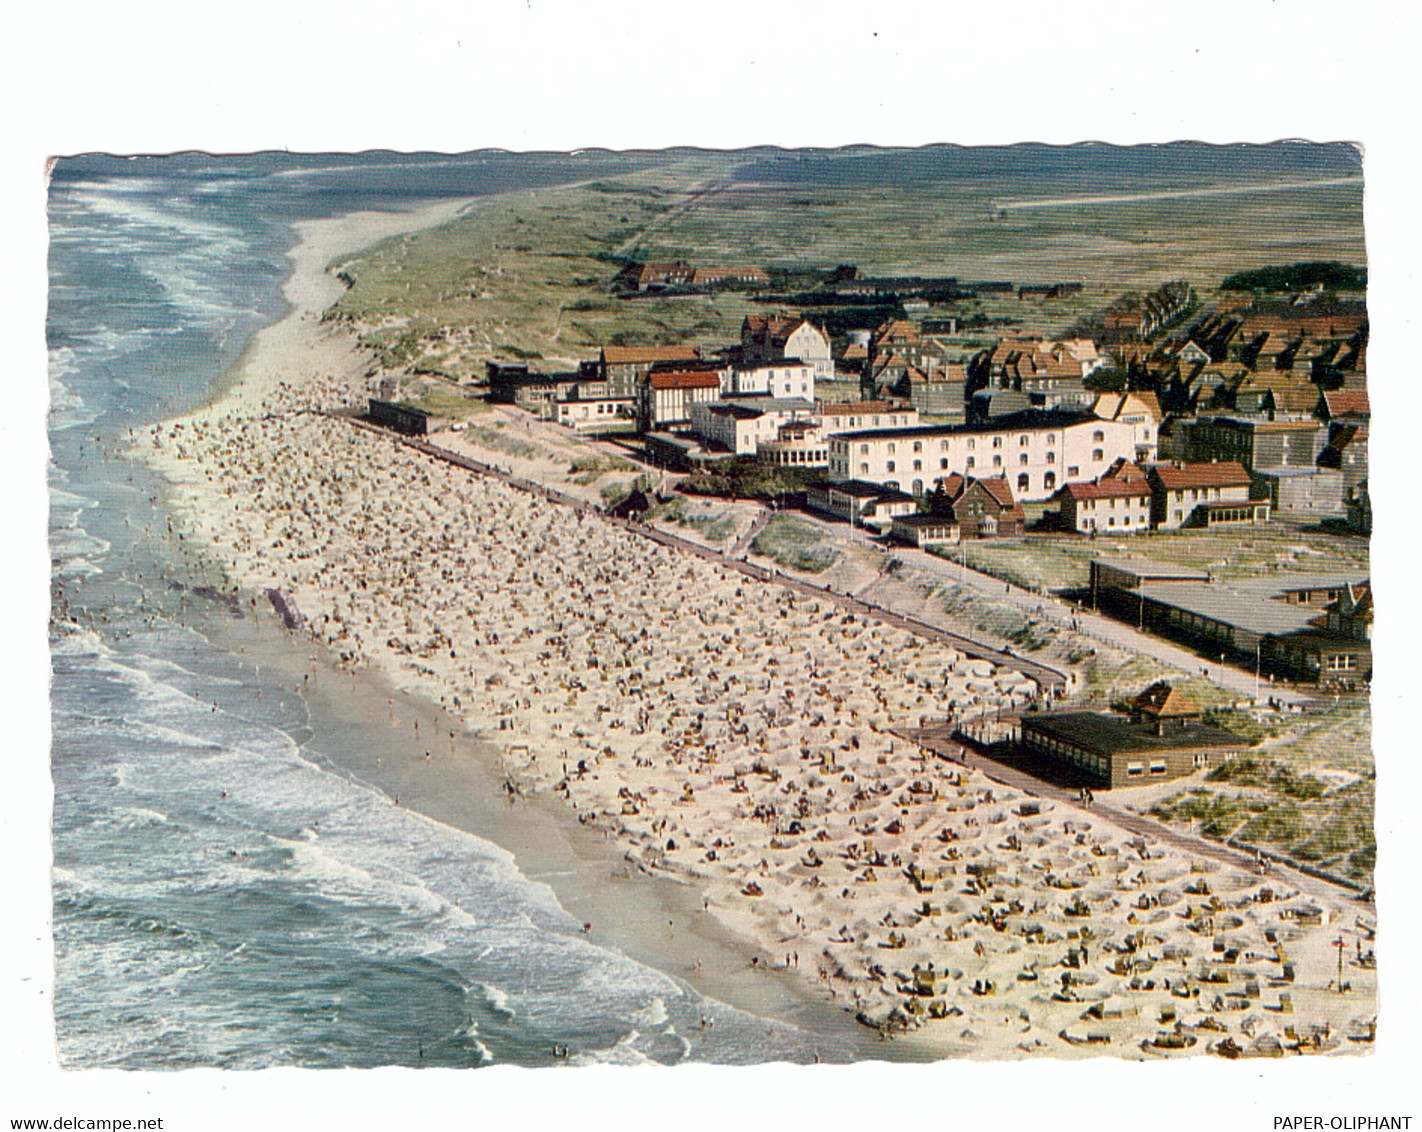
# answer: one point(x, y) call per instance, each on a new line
point(227, 891)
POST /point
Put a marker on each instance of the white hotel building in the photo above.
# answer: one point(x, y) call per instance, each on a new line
point(1036, 452)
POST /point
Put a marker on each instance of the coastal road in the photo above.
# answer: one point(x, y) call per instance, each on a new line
point(1065, 615)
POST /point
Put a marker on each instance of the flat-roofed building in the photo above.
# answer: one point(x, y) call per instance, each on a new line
point(1272, 622)
point(742, 424)
point(776, 379)
point(596, 414)
point(797, 444)
point(926, 530)
point(1109, 574)
point(861, 503)
point(397, 415)
point(1118, 750)
point(1036, 452)
point(1301, 493)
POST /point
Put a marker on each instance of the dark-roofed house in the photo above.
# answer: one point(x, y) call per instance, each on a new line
point(981, 508)
point(1347, 451)
point(1162, 739)
point(1255, 442)
point(860, 502)
point(1360, 511)
point(1201, 495)
point(538, 392)
point(925, 531)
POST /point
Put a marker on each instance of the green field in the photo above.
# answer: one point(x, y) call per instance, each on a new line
point(1063, 562)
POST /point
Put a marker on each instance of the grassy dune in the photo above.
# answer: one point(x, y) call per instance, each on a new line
point(527, 274)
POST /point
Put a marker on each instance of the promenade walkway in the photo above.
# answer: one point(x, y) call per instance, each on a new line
point(939, 740)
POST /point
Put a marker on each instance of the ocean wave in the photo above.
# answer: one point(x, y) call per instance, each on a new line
point(62, 362)
point(131, 817)
point(75, 568)
point(624, 1052)
point(496, 999)
point(654, 1014)
point(75, 542)
point(65, 500)
point(137, 213)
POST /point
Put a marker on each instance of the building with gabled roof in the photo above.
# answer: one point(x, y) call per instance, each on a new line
point(1351, 613)
point(1346, 406)
point(1117, 502)
point(665, 397)
point(778, 338)
point(850, 416)
point(624, 367)
point(982, 508)
point(1162, 702)
point(1140, 410)
point(1190, 494)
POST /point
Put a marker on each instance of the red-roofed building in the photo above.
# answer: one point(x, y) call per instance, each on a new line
point(847, 416)
point(981, 508)
point(665, 398)
point(707, 276)
point(770, 339)
point(1117, 502)
point(644, 275)
point(1347, 406)
point(1189, 494)
point(623, 367)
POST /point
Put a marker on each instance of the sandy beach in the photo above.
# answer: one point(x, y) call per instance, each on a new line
point(736, 737)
